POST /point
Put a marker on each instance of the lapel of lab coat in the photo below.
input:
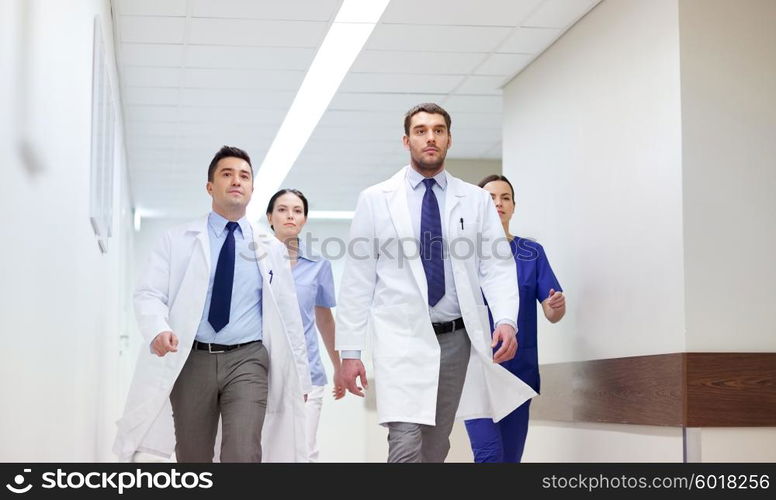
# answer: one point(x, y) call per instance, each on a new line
point(263, 259)
point(396, 194)
point(453, 197)
point(199, 227)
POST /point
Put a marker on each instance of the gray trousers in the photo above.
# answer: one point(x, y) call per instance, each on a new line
point(230, 384)
point(411, 442)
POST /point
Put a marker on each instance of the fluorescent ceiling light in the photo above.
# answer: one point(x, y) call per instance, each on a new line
point(346, 37)
point(140, 213)
point(138, 219)
point(330, 214)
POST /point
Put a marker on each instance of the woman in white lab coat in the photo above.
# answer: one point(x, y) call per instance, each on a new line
point(287, 215)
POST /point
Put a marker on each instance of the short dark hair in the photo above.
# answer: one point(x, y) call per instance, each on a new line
point(227, 152)
point(495, 177)
point(274, 199)
point(426, 107)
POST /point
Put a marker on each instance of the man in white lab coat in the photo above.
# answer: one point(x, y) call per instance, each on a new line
point(218, 313)
point(424, 248)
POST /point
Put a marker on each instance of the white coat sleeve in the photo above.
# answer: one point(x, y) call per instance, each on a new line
point(358, 280)
point(285, 294)
point(151, 297)
point(498, 275)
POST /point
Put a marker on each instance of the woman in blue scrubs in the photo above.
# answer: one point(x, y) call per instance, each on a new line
point(287, 215)
point(503, 441)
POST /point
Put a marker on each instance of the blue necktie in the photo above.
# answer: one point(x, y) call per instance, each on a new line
point(221, 299)
point(431, 244)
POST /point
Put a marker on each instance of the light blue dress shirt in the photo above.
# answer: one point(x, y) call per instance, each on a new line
point(314, 287)
point(245, 311)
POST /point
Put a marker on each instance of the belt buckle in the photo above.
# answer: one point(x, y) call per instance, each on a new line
point(211, 351)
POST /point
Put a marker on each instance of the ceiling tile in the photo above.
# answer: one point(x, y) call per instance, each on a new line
point(139, 76)
point(355, 132)
point(504, 64)
point(481, 85)
point(243, 114)
point(150, 96)
point(137, 113)
point(397, 103)
point(145, 29)
point(436, 38)
point(386, 119)
point(242, 79)
point(426, 63)
point(151, 7)
point(141, 54)
point(236, 98)
point(196, 129)
point(298, 10)
point(280, 58)
point(530, 40)
point(487, 104)
point(481, 12)
point(558, 13)
point(230, 78)
point(477, 119)
point(354, 149)
point(256, 33)
point(374, 82)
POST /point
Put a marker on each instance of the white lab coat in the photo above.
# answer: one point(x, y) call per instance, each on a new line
point(171, 296)
point(387, 296)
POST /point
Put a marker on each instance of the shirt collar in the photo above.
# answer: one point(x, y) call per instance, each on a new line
point(414, 178)
point(218, 224)
point(302, 252)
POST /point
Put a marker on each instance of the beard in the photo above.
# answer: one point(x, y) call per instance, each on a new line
point(423, 165)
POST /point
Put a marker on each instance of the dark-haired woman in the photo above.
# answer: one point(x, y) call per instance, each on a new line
point(287, 215)
point(503, 441)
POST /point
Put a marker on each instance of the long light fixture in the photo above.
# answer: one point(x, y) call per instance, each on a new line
point(346, 37)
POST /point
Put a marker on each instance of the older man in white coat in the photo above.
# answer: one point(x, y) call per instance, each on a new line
point(425, 246)
point(218, 312)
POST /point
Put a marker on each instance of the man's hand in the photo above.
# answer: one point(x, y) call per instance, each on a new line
point(338, 391)
point(163, 343)
point(351, 370)
point(505, 334)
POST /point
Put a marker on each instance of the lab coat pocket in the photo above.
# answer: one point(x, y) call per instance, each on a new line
point(484, 332)
point(465, 239)
point(399, 331)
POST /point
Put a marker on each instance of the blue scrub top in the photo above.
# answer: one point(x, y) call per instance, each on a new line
point(535, 279)
point(314, 287)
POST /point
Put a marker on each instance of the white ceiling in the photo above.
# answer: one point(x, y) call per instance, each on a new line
point(198, 74)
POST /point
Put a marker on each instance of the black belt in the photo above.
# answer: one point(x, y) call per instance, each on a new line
point(448, 326)
point(217, 348)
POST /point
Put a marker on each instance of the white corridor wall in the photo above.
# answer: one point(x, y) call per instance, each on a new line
point(64, 304)
point(641, 148)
